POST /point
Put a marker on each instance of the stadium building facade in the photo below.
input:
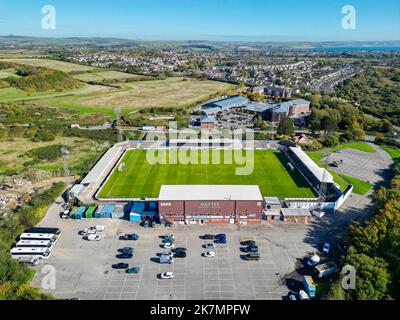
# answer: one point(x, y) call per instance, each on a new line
point(208, 204)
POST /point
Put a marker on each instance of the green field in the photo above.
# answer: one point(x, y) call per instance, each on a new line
point(105, 75)
point(139, 179)
point(5, 73)
point(51, 64)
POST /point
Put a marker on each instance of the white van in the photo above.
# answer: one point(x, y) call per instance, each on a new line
point(94, 237)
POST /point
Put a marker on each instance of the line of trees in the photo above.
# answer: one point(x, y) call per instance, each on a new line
point(14, 277)
point(37, 79)
point(375, 250)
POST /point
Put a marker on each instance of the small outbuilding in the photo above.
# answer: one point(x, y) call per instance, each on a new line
point(296, 215)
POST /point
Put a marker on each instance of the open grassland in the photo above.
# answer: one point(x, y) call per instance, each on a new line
point(5, 73)
point(52, 64)
point(14, 94)
point(105, 75)
point(141, 179)
point(393, 152)
point(360, 187)
point(15, 157)
point(171, 92)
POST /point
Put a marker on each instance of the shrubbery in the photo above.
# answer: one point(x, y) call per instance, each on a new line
point(14, 277)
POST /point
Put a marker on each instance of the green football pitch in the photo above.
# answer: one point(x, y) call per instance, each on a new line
point(135, 177)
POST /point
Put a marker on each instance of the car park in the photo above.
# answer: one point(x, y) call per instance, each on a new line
point(209, 254)
point(314, 260)
point(167, 275)
point(93, 237)
point(326, 248)
point(134, 270)
point(125, 256)
point(120, 266)
point(179, 249)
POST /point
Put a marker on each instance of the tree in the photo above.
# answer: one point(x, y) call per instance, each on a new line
point(372, 277)
point(286, 127)
point(386, 126)
point(379, 138)
point(331, 141)
point(329, 124)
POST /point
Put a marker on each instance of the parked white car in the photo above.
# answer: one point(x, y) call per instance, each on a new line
point(303, 295)
point(99, 227)
point(209, 254)
point(168, 245)
point(65, 214)
point(167, 275)
point(314, 260)
point(94, 237)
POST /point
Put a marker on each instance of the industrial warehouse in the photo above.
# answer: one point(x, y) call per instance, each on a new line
point(208, 202)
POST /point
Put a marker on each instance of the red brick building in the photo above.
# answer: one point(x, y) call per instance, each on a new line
point(208, 122)
point(207, 204)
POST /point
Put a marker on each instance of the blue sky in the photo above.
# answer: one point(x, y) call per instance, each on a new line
point(280, 20)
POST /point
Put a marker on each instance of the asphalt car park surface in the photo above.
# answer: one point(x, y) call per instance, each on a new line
point(83, 269)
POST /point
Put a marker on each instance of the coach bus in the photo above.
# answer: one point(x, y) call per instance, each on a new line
point(41, 253)
point(35, 244)
point(39, 236)
point(56, 231)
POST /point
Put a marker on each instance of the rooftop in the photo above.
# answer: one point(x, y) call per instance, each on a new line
point(258, 107)
point(102, 165)
point(295, 212)
point(208, 119)
point(210, 192)
point(320, 173)
point(227, 103)
point(284, 106)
